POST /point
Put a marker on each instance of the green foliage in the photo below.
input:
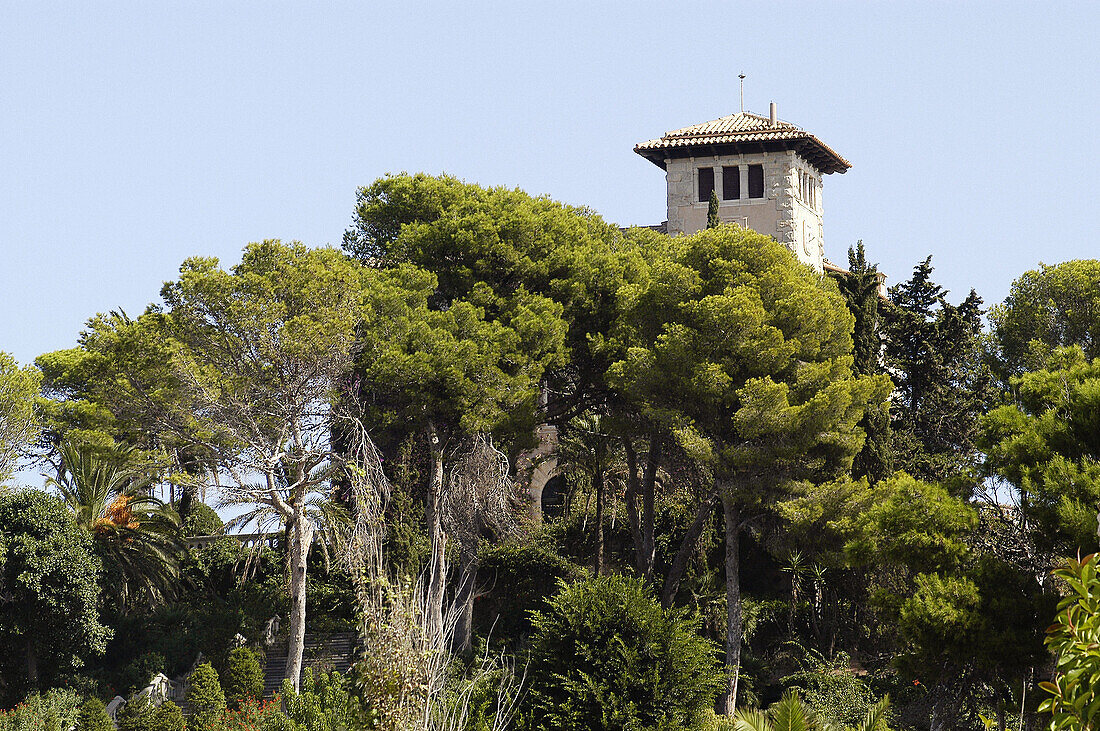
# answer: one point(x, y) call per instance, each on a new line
point(135, 715)
point(522, 576)
point(55, 710)
point(791, 714)
point(244, 677)
point(1050, 307)
point(712, 211)
point(860, 289)
point(93, 717)
point(167, 717)
point(202, 520)
point(832, 688)
point(910, 523)
point(18, 425)
point(1045, 445)
point(49, 574)
point(743, 353)
point(136, 535)
point(1073, 638)
point(205, 699)
point(324, 703)
point(607, 656)
point(933, 354)
point(501, 248)
point(140, 671)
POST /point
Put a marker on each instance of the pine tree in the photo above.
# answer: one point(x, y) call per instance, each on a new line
point(712, 211)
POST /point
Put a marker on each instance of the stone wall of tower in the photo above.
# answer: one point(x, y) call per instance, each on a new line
point(781, 213)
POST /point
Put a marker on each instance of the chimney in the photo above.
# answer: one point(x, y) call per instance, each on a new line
point(774, 115)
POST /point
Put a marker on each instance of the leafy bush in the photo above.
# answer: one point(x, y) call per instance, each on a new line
point(607, 656)
point(93, 717)
point(135, 715)
point(202, 520)
point(141, 671)
point(1075, 690)
point(522, 577)
point(167, 717)
point(205, 699)
point(324, 703)
point(792, 713)
point(244, 677)
point(56, 710)
point(833, 690)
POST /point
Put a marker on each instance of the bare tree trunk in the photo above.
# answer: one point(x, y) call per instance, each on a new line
point(633, 487)
point(438, 570)
point(301, 537)
point(464, 599)
point(641, 524)
point(32, 664)
point(649, 482)
point(733, 603)
point(597, 482)
point(687, 547)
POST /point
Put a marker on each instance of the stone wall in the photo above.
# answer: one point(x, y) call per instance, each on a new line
point(780, 213)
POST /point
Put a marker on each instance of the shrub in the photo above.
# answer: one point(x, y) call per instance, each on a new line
point(135, 715)
point(167, 717)
point(93, 717)
point(607, 656)
point(205, 699)
point(324, 703)
point(56, 710)
point(202, 520)
point(141, 670)
point(1074, 701)
point(835, 693)
point(244, 677)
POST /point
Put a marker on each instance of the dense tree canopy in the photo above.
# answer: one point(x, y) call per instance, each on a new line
point(49, 590)
point(745, 355)
point(933, 355)
point(1047, 446)
point(18, 387)
point(1055, 305)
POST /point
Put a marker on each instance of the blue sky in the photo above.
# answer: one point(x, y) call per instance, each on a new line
point(133, 135)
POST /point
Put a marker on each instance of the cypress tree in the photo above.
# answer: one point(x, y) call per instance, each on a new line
point(93, 717)
point(712, 211)
point(167, 717)
point(205, 698)
point(860, 287)
point(244, 678)
point(136, 715)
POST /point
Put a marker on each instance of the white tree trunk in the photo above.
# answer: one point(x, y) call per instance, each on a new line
point(301, 537)
point(437, 576)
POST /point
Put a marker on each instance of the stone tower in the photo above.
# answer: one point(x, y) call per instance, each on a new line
point(767, 174)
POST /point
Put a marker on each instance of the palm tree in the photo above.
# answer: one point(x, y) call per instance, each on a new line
point(135, 534)
point(790, 714)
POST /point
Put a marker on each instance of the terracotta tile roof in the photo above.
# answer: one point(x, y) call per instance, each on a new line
point(742, 132)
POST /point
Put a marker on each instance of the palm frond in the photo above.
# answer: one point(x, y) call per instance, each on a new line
point(877, 718)
point(751, 720)
point(789, 714)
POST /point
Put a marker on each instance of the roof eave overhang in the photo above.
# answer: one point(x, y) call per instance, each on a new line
point(813, 150)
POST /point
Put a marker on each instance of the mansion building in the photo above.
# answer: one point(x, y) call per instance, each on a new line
point(766, 173)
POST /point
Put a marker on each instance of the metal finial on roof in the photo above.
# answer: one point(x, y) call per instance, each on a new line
point(742, 77)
